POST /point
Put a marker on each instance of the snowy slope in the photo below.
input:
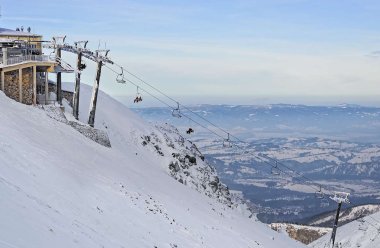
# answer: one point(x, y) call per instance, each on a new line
point(346, 215)
point(60, 189)
point(355, 234)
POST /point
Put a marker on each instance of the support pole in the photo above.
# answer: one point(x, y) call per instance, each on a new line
point(2, 80)
point(59, 77)
point(77, 86)
point(20, 84)
point(5, 55)
point(333, 234)
point(94, 98)
point(34, 85)
point(46, 88)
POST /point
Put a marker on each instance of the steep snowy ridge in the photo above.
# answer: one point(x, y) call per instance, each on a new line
point(355, 234)
point(61, 189)
point(346, 215)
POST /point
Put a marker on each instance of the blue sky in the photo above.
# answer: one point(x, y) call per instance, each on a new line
point(273, 49)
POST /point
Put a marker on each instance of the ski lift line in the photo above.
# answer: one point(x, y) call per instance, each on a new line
point(305, 179)
point(172, 99)
point(322, 153)
point(168, 105)
point(292, 170)
point(199, 116)
point(283, 171)
point(203, 126)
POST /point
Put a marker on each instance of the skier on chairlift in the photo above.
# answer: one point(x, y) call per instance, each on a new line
point(137, 99)
point(190, 130)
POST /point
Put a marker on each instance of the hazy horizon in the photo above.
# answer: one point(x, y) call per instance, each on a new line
point(148, 101)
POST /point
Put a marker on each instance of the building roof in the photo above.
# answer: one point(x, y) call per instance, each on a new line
point(10, 32)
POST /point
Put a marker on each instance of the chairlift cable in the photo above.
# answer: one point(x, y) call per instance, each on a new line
point(305, 178)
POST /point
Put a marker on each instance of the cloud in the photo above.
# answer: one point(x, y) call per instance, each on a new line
point(374, 54)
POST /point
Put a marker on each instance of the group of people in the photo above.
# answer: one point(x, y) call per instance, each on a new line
point(190, 130)
point(137, 99)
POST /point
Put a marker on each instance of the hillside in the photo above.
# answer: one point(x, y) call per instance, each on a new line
point(308, 139)
point(346, 215)
point(355, 234)
point(151, 189)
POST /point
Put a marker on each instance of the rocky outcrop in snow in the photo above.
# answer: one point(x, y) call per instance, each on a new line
point(187, 164)
point(304, 234)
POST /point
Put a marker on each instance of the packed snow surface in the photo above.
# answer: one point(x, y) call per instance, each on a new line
point(60, 189)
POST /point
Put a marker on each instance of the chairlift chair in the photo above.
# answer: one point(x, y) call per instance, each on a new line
point(319, 194)
point(138, 97)
point(120, 77)
point(227, 142)
point(275, 170)
point(176, 112)
point(190, 130)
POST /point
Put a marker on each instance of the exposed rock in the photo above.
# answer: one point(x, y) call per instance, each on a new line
point(187, 165)
point(304, 234)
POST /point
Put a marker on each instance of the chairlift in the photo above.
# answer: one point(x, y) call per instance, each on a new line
point(120, 77)
point(227, 142)
point(275, 170)
point(82, 66)
point(319, 194)
point(138, 97)
point(190, 130)
point(177, 112)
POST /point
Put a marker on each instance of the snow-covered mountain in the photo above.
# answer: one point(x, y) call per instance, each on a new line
point(346, 215)
point(353, 122)
point(151, 188)
point(337, 165)
point(309, 139)
point(322, 224)
point(359, 233)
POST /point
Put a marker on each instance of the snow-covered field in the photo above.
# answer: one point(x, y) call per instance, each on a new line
point(60, 189)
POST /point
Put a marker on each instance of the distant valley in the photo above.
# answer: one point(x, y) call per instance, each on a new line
point(337, 147)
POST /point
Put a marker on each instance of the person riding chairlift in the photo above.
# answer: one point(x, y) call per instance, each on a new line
point(190, 130)
point(137, 99)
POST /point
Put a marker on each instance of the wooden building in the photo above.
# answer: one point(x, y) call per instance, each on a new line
point(23, 67)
